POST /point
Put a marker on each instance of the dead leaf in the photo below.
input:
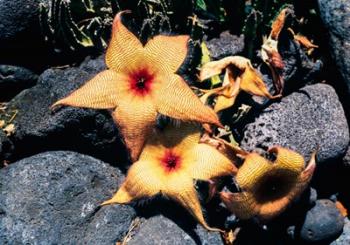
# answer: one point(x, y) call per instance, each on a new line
point(2, 123)
point(9, 129)
point(247, 79)
point(342, 209)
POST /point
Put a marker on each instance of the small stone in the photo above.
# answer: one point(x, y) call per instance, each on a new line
point(310, 119)
point(54, 198)
point(161, 230)
point(323, 223)
point(226, 45)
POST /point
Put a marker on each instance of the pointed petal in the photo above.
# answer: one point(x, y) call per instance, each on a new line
point(307, 173)
point(99, 93)
point(167, 53)
point(205, 162)
point(182, 191)
point(125, 50)
point(253, 168)
point(242, 204)
point(304, 178)
point(136, 119)
point(142, 181)
point(175, 99)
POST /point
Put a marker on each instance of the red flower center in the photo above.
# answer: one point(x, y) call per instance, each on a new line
point(141, 81)
point(171, 161)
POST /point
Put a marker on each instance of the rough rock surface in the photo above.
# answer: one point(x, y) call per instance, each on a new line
point(161, 230)
point(346, 159)
point(53, 198)
point(14, 79)
point(323, 223)
point(226, 45)
point(88, 131)
point(344, 238)
point(17, 16)
point(310, 118)
point(336, 17)
point(20, 33)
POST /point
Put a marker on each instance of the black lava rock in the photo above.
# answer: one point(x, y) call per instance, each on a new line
point(14, 79)
point(346, 159)
point(20, 32)
point(161, 230)
point(226, 45)
point(17, 16)
point(336, 17)
point(303, 121)
point(323, 223)
point(54, 198)
point(38, 129)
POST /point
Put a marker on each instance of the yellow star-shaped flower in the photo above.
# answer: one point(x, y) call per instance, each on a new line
point(140, 83)
point(169, 164)
point(269, 187)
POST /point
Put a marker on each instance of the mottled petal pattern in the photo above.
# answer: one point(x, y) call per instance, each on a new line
point(99, 93)
point(136, 119)
point(124, 52)
point(181, 103)
point(167, 58)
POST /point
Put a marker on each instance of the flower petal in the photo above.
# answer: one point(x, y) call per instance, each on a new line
point(288, 159)
point(142, 181)
point(125, 49)
point(242, 204)
point(253, 168)
point(175, 99)
point(179, 138)
point(270, 210)
point(136, 118)
point(99, 93)
point(205, 162)
point(167, 53)
point(182, 191)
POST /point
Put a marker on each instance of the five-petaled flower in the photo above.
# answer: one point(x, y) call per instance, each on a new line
point(268, 188)
point(169, 164)
point(140, 83)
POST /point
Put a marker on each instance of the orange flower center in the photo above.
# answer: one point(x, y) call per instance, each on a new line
point(171, 161)
point(140, 82)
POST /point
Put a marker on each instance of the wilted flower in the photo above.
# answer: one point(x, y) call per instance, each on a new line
point(267, 188)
